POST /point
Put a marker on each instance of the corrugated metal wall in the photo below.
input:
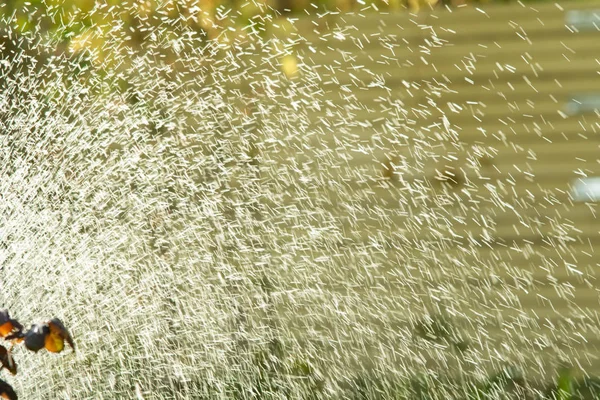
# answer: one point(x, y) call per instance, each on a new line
point(435, 157)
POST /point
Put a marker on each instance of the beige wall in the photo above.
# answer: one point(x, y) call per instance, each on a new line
point(406, 103)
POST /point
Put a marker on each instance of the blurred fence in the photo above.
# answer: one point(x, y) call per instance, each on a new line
point(445, 145)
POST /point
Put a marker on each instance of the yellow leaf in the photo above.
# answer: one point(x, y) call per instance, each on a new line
point(289, 65)
point(54, 343)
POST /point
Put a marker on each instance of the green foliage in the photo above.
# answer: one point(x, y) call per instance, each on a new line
point(564, 384)
point(563, 389)
point(440, 329)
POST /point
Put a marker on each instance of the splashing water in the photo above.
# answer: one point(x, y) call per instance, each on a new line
point(216, 218)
